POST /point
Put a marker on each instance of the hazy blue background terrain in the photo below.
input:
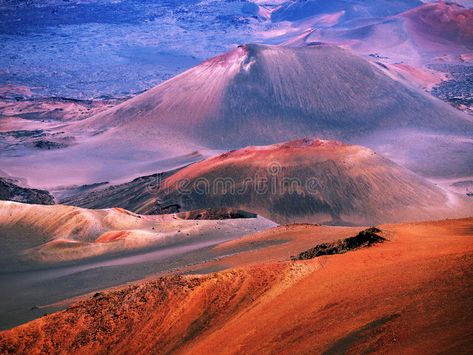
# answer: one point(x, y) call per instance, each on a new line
point(95, 48)
point(115, 48)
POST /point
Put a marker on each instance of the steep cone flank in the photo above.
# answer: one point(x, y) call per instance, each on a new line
point(309, 181)
point(262, 94)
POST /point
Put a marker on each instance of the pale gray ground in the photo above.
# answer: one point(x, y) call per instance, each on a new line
point(26, 295)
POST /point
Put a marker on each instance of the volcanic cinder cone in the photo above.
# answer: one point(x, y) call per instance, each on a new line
point(310, 181)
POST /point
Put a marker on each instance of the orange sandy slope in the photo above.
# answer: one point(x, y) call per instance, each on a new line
point(411, 293)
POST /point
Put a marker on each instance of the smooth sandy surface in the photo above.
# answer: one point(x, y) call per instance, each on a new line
point(51, 253)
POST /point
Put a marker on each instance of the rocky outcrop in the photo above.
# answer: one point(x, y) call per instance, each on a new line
point(216, 214)
point(365, 238)
point(9, 191)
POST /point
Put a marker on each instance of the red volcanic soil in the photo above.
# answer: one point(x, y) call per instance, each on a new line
point(419, 36)
point(411, 293)
point(112, 236)
point(313, 181)
point(441, 21)
point(424, 77)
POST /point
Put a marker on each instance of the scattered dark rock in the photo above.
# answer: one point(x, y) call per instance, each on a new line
point(382, 65)
point(173, 208)
point(363, 239)
point(24, 133)
point(45, 144)
point(457, 90)
point(378, 56)
point(216, 214)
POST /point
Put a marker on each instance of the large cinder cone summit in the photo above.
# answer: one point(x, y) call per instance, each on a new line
point(259, 94)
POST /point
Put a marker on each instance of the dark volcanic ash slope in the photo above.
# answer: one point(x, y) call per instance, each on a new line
point(9, 191)
point(264, 94)
point(137, 195)
point(310, 181)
